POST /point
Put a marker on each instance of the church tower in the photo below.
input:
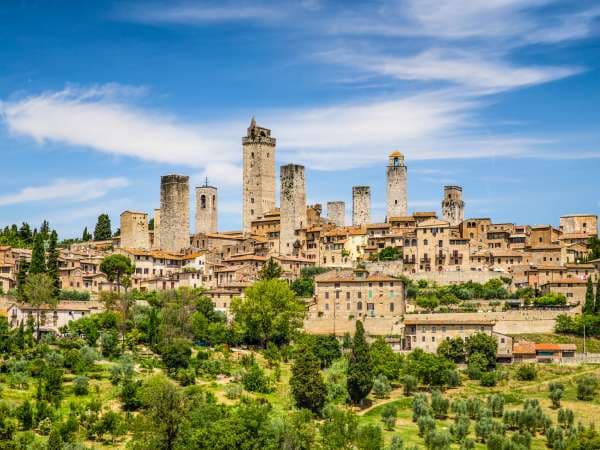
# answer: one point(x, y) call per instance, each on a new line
point(259, 174)
point(206, 209)
point(396, 186)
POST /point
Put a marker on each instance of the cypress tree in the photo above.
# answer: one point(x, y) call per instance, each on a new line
point(588, 307)
point(360, 366)
point(86, 236)
point(102, 232)
point(306, 383)
point(38, 255)
point(21, 279)
point(52, 263)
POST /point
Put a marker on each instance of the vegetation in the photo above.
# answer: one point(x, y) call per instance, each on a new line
point(102, 231)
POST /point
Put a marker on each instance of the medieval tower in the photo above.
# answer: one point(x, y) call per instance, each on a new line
point(134, 230)
point(206, 209)
point(453, 206)
point(361, 205)
point(174, 213)
point(336, 213)
point(259, 174)
point(292, 207)
point(396, 186)
point(156, 233)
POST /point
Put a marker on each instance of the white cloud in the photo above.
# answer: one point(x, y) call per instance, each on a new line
point(482, 75)
point(67, 190)
point(104, 119)
point(208, 12)
point(220, 174)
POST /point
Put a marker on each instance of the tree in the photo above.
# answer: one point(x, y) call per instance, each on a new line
point(306, 383)
point(269, 312)
point(115, 267)
point(452, 349)
point(527, 372)
point(39, 291)
point(38, 256)
point(52, 263)
point(588, 306)
point(360, 367)
point(484, 344)
point(586, 387)
point(55, 441)
point(385, 361)
point(270, 270)
point(22, 279)
point(597, 300)
point(339, 429)
point(439, 405)
point(556, 393)
point(176, 354)
point(369, 437)
point(86, 235)
point(409, 384)
point(102, 232)
point(381, 386)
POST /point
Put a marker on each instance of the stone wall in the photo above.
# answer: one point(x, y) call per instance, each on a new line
point(206, 209)
point(336, 213)
point(174, 213)
point(361, 205)
point(292, 206)
point(396, 188)
point(453, 206)
point(258, 174)
point(134, 230)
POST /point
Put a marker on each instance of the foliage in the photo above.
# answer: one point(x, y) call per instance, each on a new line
point(526, 372)
point(270, 271)
point(550, 299)
point(360, 367)
point(102, 231)
point(381, 387)
point(483, 344)
point(586, 387)
point(453, 349)
point(269, 312)
point(115, 267)
point(255, 380)
point(306, 383)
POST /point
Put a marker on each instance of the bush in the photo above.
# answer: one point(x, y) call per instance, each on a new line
point(526, 372)
point(381, 387)
point(488, 379)
point(255, 380)
point(439, 405)
point(81, 385)
point(186, 377)
point(586, 387)
point(177, 354)
point(388, 416)
point(409, 384)
point(425, 424)
point(233, 391)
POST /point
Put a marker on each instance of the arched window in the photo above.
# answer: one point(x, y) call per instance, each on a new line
point(359, 306)
point(203, 201)
point(396, 161)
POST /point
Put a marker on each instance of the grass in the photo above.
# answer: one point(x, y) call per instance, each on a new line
point(592, 344)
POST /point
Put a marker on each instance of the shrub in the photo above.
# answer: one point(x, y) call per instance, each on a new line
point(409, 384)
point(177, 354)
point(233, 391)
point(438, 440)
point(460, 428)
point(186, 377)
point(426, 424)
point(586, 387)
point(555, 397)
point(488, 379)
point(526, 372)
point(255, 380)
point(420, 407)
point(388, 416)
point(439, 405)
point(496, 405)
point(381, 387)
point(81, 385)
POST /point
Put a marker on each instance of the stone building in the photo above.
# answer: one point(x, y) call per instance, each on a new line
point(292, 207)
point(354, 294)
point(396, 186)
point(361, 205)
point(134, 230)
point(206, 209)
point(259, 174)
point(336, 213)
point(579, 224)
point(174, 213)
point(453, 206)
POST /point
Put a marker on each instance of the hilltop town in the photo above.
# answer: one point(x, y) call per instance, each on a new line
point(364, 270)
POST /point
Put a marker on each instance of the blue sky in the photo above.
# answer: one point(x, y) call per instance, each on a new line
point(98, 99)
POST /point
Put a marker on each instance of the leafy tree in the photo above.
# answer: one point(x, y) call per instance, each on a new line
point(388, 416)
point(409, 384)
point(527, 372)
point(52, 263)
point(102, 232)
point(255, 380)
point(303, 287)
point(452, 349)
point(588, 306)
point(115, 267)
point(426, 424)
point(269, 312)
point(176, 354)
point(369, 437)
point(55, 441)
point(428, 302)
point(81, 385)
point(438, 440)
point(488, 379)
point(430, 369)
point(360, 367)
point(326, 348)
point(22, 279)
point(460, 428)
point(38, 256)
point(496, 405)
point(484, 344)
point(385, 361)
point(556, 393)
point(381, 387)
point(306, 383)
point(586, 387)
point(339, 429)
point(270, 271)
point(24, 413)
point(439, 405)
point(25, 233)
point(39, 291)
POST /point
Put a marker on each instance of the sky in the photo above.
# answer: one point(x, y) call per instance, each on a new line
point(99, 99)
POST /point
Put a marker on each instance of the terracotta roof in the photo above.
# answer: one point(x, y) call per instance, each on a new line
point(425, 214)
point(524, 348)
point(349, 276)
point(433, 223)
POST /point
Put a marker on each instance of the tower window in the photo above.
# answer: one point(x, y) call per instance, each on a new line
point(203, 201)
point(252, 155)
point(396, 161)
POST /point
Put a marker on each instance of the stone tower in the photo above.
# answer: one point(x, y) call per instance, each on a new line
point(453, 206)
point(336, 213)
point(259, 174)
point(292, 207)
point(156, 241)
point(361, 205)
point(174, 213)
point(396, 186)
point(206, 209)
point(134, 230)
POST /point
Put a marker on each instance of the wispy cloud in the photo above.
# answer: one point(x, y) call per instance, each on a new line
point(106, 119)
point(66, 190)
